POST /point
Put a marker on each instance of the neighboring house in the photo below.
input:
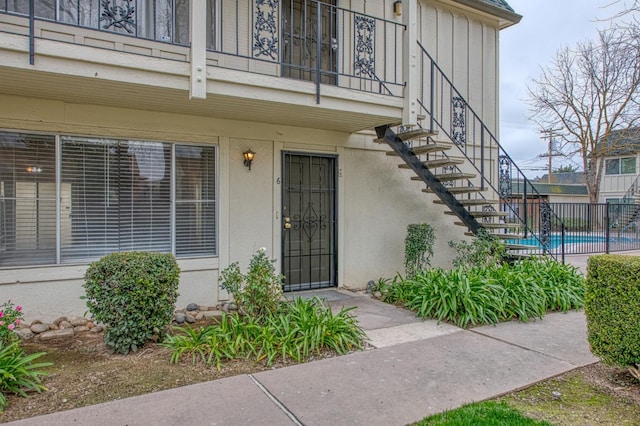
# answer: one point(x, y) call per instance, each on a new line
point(619, 182)
point(123, 125)
point(567, 187)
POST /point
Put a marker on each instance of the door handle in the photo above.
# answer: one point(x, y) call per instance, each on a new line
point(287, 223)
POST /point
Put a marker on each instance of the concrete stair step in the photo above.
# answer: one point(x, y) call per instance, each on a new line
point(448, 177)
point(424, 149)
point(471, 202)
point(458, 190)
point(482, 214)
point(441, 162)
point(495, 225)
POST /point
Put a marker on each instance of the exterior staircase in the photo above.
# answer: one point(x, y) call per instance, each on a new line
point(628, 214)
point(455, 154)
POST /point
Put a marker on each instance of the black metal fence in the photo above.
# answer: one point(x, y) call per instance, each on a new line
point(581, 228)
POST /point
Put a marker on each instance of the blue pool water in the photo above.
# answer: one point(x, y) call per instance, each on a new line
point(556, 240)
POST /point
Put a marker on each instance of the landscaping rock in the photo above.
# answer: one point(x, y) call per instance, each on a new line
point(34, 322)
point(179, 317)
point(80, 329)
point(64, 325)
point(190, 318)
point(54, 327)
point(377, 295)
point(96, 329)
point(38, 328)
point(199, 316)
point(25, 334)
point(59, 320)
point(56, 334)
point(233, 306)
point(192, 307)
point(225, 307)
point(212, 314)
point(79, 322)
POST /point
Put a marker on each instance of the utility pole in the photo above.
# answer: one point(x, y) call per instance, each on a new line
point(550, 133)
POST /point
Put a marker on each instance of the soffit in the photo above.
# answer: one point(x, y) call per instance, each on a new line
point(333, 114)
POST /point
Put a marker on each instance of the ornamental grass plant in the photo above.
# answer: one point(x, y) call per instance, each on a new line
point(476, 295)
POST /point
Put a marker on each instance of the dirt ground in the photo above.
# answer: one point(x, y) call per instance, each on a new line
point(85, 373)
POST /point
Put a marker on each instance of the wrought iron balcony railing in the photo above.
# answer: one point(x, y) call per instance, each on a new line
point(449, 113)
point(301, 39)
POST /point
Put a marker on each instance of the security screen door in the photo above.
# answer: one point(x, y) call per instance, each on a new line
point(309, 221)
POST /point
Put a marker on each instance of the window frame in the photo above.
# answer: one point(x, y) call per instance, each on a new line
point(618, 169)
point(210, 173)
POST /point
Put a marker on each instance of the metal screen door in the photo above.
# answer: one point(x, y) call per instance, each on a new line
point(309, 221)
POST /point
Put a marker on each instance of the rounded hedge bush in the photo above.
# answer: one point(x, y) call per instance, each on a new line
point(134, 295)
point(612, 307)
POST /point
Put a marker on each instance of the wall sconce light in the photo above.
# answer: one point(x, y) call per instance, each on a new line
point(248, 158)
point(397, 8)
point(34, 169)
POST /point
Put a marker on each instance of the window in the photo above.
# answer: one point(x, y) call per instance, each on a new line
point(27, 199)
point(115, 195)
point(618, 166)
point(162, 20)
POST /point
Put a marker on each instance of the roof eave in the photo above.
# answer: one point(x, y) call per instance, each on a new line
point(505, 18)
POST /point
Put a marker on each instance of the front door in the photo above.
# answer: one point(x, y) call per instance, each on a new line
point(304, 22)
point(309, 221)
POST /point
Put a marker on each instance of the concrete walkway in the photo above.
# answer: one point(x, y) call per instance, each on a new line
point(416, 369)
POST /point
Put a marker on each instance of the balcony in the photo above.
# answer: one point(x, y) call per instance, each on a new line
point(294, 62)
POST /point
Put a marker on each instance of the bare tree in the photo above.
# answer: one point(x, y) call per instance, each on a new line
point(590, 96)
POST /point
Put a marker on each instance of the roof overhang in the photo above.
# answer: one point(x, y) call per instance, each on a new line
point(505, 17)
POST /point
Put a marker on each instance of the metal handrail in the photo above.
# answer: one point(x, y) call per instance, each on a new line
point(498, 172)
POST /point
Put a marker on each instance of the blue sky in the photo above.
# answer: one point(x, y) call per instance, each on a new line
point(546, 26)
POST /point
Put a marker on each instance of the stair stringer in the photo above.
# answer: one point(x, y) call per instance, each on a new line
point(441, 191)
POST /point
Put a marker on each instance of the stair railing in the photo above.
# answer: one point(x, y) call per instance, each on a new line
point(448, 112)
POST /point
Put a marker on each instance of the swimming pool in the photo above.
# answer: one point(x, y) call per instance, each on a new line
point(555, 241)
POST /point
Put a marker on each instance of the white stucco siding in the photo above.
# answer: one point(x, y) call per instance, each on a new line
point(376, 200)
point(381, 202)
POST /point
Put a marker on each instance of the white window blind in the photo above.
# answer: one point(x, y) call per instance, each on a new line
point(27, 199)
point(195, 200)
point(114, 195)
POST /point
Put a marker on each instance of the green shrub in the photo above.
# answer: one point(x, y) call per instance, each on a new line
point(483, 250)
point(418, 248)
point(19, 373)
point(612, 306)
point(134, 295)
point(257, 293)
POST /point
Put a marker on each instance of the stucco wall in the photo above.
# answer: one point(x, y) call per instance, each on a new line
point(376, 200)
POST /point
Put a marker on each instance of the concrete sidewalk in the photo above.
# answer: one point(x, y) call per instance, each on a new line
point(417, 369)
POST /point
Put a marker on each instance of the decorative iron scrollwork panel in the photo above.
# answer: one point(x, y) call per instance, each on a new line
point(118, 15)
point(458, 120)
point(265, 35)
point(545, 225)
point(504, 177)
point(364, 50)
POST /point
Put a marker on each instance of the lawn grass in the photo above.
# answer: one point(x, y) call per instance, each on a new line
point(487, 413)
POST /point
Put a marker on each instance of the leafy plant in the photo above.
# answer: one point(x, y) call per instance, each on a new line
point(259, 292)
point(134, 295)
point(461, 296)
point(489, 294)
point(10, 318)
point(484, 250)
point(297, 331)
point(19, 373)
point(418, 248)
